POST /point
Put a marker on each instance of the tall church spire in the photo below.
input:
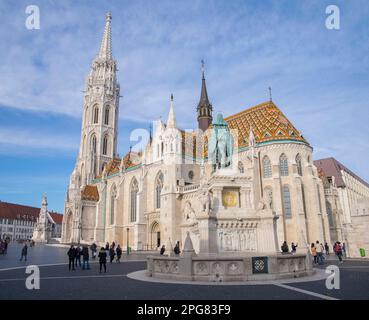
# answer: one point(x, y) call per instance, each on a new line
point(204, 107)
point(105, 48)
point(171, 123)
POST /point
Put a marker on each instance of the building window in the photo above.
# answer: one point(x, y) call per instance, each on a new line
point(96, 114)
point(267, 167)
point(106, 118)
point(134, 195)
point(283, 165)
point(303, 199)
point(240, 167)
point(286, 202)
point(158, 188)
point(319, 202)
point(299, 165)
point(330, 214)
point(93, 144)
point(112, 203)
point(105, 145)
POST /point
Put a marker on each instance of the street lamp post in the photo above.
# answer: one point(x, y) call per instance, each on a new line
point(127, 241)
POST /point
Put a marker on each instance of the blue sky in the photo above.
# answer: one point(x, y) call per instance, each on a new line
point(319, 77)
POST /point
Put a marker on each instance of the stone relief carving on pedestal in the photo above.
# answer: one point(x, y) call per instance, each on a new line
point(237, 240)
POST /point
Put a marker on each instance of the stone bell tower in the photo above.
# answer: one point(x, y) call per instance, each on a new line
point(100, 112)
point(204, 107)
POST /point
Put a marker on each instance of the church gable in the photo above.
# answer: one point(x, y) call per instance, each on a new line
point(267, 122)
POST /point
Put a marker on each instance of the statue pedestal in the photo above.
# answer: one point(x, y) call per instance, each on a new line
point(207, 225)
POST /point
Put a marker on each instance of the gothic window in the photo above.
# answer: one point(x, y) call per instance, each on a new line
point(93, 144)
point(112, 203)
point(319, 202)
point(283, 165)
point(96, 114)
point(240, 167)
point(105, 145)
point(158, 187)
point(133, 200)
point(330, 214)
point(299, 165)
point(106, 118)
point(286, 202)
point(303, 199)
point(267, 167)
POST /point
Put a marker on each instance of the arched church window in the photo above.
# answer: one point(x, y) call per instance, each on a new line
point(105, 145)
point(133, 200)
point(283, 165)
point(267, 167)
point(299, 165)
point(113, 197)
point(158, 187)
point(286, 202)
point(240, 167)
point(106, 118)
point(93, 144)
point(96, 114)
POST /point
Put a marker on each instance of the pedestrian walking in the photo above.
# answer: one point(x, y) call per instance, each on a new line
point(343, 248)
point(314, 253)
point(113, 245)
point(102, 259)
point(326, 247)
point(119, 253)
point(337, 248)
point(107, 246)
point(85, 258)
point(319, 250)
point(162, 250)
point(78, 257)
point(24, 252)
point(72, 255)
point(93, 250)
point(111, 254)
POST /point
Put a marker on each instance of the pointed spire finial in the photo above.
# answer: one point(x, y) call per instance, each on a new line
point(106, 46)
point(171, 123)
point(270, 94)
point(203, 68)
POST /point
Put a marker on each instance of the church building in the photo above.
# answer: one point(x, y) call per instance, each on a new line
point(253, 170)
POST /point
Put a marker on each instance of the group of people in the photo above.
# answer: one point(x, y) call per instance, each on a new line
point(318, 250)
point(176, 249)
point(76, 252)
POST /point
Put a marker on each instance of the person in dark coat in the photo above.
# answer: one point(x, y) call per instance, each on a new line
point(111, 254)
point(78, 257)
point(284, 247)
point(24, 252)
point(107, 246)
point(72, 255)
point(86, 257)
point(162, 249)
point(102, 259)
point(113, 245)
point(93, 250)
point(293, 247)
point(176, 249)
point(119, 253)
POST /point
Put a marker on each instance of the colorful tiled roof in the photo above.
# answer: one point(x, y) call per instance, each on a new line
point(20, 212)
point(90, 193)
point(132, 159)
point(267, 122)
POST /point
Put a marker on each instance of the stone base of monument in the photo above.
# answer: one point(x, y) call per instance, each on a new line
point(223, 268)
